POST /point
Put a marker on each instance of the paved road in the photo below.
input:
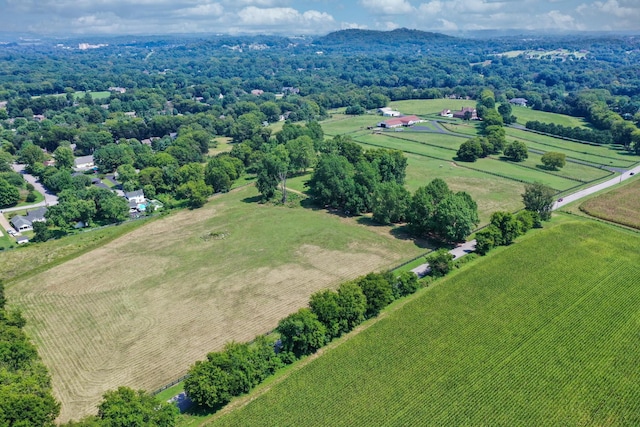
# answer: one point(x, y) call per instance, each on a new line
point(49, 198)
point(457, 252)
point(595, 188)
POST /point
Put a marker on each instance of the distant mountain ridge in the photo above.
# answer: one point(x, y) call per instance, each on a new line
point(383, 37)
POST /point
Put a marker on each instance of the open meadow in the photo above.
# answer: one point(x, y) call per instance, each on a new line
point(620, 205)
point(139, 310)
point(526, 114)
point(522, 337)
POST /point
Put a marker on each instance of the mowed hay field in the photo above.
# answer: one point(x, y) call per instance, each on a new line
point(546, 332)
point(621, 205)
point(141, 309)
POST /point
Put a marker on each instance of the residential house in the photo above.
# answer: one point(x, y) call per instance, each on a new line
point(130, 114)
point(83, 163)
point(37, 215)
point(518, 101)
point(257, 92)
point(135, 196)
point(446, 113)
point(25, 223)
point(21, 223)
point(21, 240)
point(290, 90)
point(460, 114)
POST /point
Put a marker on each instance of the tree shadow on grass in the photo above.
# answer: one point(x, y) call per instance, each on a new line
point(254, 199)
point(402, 232)
point(546, 168)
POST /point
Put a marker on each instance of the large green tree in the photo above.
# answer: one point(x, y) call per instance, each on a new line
point(539, 198)
point(516, 151)
point(553, 160)
point(378, 291)
point(9, 195)
point(125, 407)
point(301, 333)
point(391, 203)
point(455, 217)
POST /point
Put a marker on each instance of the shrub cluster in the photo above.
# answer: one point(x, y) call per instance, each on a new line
point(504, 228)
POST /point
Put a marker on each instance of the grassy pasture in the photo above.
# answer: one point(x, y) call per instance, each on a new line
point(139, 310)
point(606, 155)
point(80, 94)
point(427, 107)
point(526, 114)
point(570, 170)
point(500, 168)
point(342, 124)
point(620, 205)
point(524, 337)
point(490, 192)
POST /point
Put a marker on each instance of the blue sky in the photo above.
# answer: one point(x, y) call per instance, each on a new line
point(312, 16)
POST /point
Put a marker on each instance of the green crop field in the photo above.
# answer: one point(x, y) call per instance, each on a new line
point(543, 333)
point(620, 205)
point(140, 309)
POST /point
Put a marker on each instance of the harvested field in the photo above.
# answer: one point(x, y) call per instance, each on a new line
point(621, 205)
point(141, 309)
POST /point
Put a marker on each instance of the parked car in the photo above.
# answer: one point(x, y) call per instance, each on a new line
point(11, 232)
point(560, 200)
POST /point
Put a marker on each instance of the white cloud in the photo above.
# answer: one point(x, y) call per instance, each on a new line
point(388, 7)
point(432, 8)
point(352, 25)
point(201, 11)
point(255, 16)
point(614, 8)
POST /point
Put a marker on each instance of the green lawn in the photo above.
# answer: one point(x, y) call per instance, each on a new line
point(526, 114)
point(426, 107)
point(570, 170)
point(524, 337)
point(341, 124)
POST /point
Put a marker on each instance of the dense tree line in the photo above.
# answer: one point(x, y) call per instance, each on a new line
point(577, 133)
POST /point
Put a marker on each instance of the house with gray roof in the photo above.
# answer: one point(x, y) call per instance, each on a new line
point(25, 222)
point(518, 101)
point(21, 223)
point(83, 163)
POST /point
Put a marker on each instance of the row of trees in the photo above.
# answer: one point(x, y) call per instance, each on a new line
point(241, 366)
point(578, 133)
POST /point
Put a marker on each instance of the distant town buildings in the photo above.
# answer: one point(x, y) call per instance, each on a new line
point(85, 46)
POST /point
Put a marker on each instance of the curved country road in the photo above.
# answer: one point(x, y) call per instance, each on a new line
point(468, 247)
